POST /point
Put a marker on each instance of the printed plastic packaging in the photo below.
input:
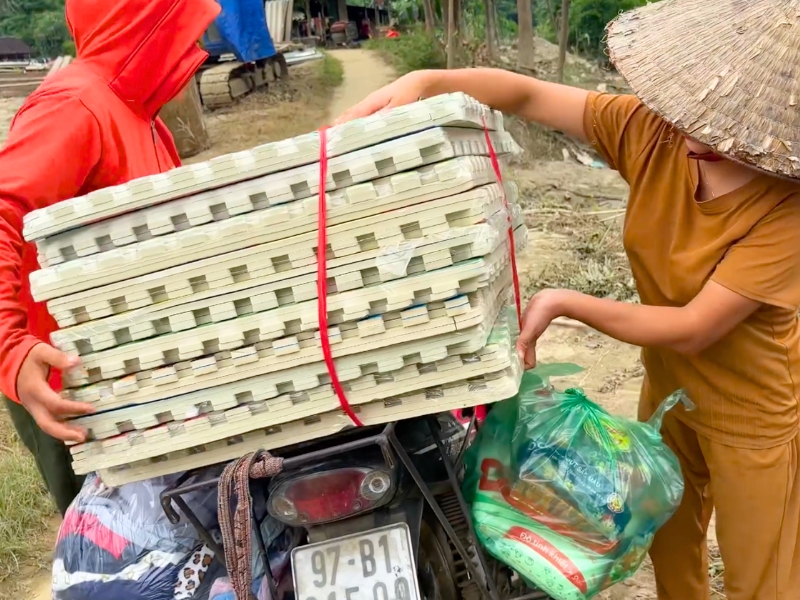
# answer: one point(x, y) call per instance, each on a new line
point(566, 494)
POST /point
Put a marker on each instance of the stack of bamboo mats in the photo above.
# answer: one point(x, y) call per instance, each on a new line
point(192, 297)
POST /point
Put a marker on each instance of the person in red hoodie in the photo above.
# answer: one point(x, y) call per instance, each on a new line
point(91, 125)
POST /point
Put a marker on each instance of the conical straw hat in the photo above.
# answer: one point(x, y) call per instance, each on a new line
point(724, 72)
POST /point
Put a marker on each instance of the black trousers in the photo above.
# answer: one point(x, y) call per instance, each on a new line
point(51, 455)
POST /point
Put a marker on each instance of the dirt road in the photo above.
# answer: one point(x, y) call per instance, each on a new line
point(8, 108)
point(364, 72)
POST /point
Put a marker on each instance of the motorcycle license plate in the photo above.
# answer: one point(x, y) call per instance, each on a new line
point(373, 565)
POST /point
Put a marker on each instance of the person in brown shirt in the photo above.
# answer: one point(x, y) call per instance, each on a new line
point(710, 145)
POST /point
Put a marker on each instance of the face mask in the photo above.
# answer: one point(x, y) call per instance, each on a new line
point(705, 156)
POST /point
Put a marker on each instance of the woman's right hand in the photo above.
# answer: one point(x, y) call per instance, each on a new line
point(48, 408)
point(409, 88)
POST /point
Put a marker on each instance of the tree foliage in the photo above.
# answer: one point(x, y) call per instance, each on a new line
point(587, 19)
point(473, 13)
point(587, 22)
point(40, 23)
point(415, 49)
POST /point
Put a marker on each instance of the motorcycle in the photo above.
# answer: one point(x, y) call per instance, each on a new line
point(383, 516)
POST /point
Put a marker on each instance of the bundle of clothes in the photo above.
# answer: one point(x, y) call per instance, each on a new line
point(117, 543)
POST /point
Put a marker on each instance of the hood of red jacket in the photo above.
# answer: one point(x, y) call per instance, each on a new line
point(146, 50)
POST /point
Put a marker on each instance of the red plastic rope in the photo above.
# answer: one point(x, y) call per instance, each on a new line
point(512, 246)
point(322, 279)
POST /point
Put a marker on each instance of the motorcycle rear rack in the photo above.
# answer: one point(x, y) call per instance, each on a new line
point(390, 446)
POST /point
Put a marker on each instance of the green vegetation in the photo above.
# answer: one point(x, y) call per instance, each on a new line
point(331, 72)
point(40, 23)
point(409, 12)
point(413, 50)
point(587, 22)
point(587, 19)
point(25, 506)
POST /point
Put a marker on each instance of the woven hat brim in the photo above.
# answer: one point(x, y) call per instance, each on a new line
point(726, 73)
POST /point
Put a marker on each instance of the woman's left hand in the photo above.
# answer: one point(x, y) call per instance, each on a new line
point(537, 316)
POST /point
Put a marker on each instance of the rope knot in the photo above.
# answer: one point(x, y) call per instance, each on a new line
point(235, 508)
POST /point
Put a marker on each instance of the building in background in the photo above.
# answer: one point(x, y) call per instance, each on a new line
point(14, 49)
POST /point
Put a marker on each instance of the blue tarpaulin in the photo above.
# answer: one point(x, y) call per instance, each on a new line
point(243, 24)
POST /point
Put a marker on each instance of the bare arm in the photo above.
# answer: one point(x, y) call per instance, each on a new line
point(52, 146)
point(689, 329)
point(555, 106)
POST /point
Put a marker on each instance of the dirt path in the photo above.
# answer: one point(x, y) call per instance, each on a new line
point(364, 72)
point(41, 587)
point(8, 108)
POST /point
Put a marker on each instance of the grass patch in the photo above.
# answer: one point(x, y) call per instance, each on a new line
point(25, 507)
point(331, 72)
point(538, 142)
point(716, 572)
point(412, 51)
point(594, 262)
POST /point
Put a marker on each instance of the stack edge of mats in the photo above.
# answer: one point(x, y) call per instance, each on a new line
point(191, 296)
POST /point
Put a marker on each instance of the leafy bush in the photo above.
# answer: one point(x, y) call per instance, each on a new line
point(587, 22)
point(25, 508)
point(40, 23)
point(331, 71)
point(412, 51)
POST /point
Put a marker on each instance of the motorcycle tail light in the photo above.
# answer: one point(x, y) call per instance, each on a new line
point(464, 419)
point(316, 498)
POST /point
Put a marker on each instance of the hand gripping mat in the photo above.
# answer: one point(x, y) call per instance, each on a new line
point(454, 110)
point(284, 332)
point(187, 247)
point(487, 376)
point(279, 261)
point(246, 207)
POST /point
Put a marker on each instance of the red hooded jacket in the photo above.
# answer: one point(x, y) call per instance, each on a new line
point(90, 126)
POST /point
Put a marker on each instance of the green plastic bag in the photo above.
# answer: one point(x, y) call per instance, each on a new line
point(566, 494)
